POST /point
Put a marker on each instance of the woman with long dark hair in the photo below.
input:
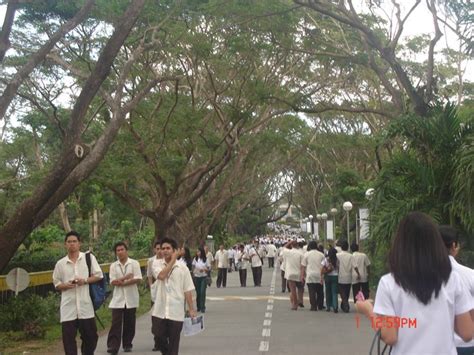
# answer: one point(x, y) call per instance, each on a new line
point(331, 271)
point(420, 303)
point(201, 267)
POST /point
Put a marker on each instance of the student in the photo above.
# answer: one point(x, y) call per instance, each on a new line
point(124, 274)
point(71, 278)
point(174, 287)
point(330, 271)
point(345, 275)
point(451, 241)
point(243, 262)
point(360, 272)
point(222, 261)
point(421, 286)
point(201, 267)
point(256, 264)
point(293, 274)
point(311, 273)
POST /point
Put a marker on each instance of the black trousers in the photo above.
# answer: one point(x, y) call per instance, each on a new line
point(257, 275)
point(122, 329)
point(221, 277)
point(364, 286)
point(243, 277)
point(271, 262)
point(231, 264)
point(316, 295)
point(87, 329)
point(284, 282)
point(167, 333)
point(344, 291)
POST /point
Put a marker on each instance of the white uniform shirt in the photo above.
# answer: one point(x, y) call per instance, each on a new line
point(231, 253)
point(243, 259)
point(345, 267)
point(76, 302)
point(312, 261)
point(199, 265)
point(271, 250)
point(222, 258)
point(283, 252)
point(170, 300)
point(434, 322)
point(361, 262)
point(125, 296)
point(467, 276)
point(210, 257)
point(255, 258)
point(293, 259)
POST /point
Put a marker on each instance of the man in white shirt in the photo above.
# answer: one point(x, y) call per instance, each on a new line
point(360, 272)
point(174, 287)
point(345, 275)
point(149, 267)
point(256, 264)
point(311, 267)
point(231, 256)
point(271, 252)
point(71, 278)
point(210, 259)
point(222, 261)
point(294, 257)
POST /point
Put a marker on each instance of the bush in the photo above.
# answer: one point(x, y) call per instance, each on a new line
point(29, 313)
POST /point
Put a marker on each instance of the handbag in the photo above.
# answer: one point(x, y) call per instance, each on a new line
point(377, 338)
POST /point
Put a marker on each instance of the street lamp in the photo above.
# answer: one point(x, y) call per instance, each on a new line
point(311, 224)
point(347, 206)
point(324, 217)
point(369, 194)
point(318, 217)
point(333, 214)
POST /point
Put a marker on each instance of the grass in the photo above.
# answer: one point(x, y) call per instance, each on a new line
point(17, 343)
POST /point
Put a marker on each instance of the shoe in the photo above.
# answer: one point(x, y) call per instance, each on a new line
point(329, 309)
point(301, 305)
point(111, 351)
point(336, 311)
point(294, 308)
point(313, 309)
point(282, 291)
point(127, 350)
point(155, 349)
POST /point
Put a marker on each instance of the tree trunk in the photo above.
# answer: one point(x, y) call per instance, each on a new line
point(64, 217)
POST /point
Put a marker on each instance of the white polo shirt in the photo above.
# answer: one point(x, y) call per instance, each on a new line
point(434, 322)
point(76, 302)
point(255, 260)
point(243, 259)
point(199, 265)
point(170, 300)
point(293, 259)
point(345, 267)
point(222, 258)
point(312, 261)
point(125, 296)
point(361, 262)
point(271, 250)
point(467, 276)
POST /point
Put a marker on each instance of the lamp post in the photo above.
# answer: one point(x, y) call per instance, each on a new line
point(347, 206)
point(311, 224)
point(333, 214)
point(324, 217)
point(318, 217)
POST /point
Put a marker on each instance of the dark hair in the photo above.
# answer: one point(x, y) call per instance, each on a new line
point(321, 248)
point(450, 235)
point(120, 244)
point(354, 247)
point(332, 257)
point(418, 258)
point(157, 242)
point(188, 258)
point(312, 245)
point(171, 242)
point(73, 233)
point(344, 245)
point(203, 256)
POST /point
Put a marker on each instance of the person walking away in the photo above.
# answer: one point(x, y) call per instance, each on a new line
point(210, 259)
point(222, 261)
point(345, 275)
point(293, 273)
point(422, 288)
point(174, 287)
point(360, 272)
point(271, 253)
point(149, 274)
point(71, 278)
point(256, 263)
point(201, 267)
point(282, 260)
point(330, 271)
point(451, 241)
point(311, 267)
point(125, 275)
point(231, 255)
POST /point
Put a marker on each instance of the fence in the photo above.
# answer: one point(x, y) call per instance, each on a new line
point(41, 283)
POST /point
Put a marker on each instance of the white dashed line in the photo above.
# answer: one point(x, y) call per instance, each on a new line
point(268, 314)
point(267, 322)
point(266, 332)
point(264, 346)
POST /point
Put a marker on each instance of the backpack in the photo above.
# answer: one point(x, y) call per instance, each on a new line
point(97, 290)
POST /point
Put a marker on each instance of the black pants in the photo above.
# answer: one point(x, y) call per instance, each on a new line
point(122, 329)
point(344, 291)
point(221, 277)
point(364, 286)
point(316, 295)
point(243, 277)
point(167, 333)
point(231, 264)
point(87, 329)
point(271, 262)
point(257, 275)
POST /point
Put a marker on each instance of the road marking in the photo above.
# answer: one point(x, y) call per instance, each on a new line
point(266, 332)
point(270, 307)
point(268, 314)
point(271, 300)
point(267, 322)
point(264, 346)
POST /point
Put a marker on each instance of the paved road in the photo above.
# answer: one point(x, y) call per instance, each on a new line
point(258, 320)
